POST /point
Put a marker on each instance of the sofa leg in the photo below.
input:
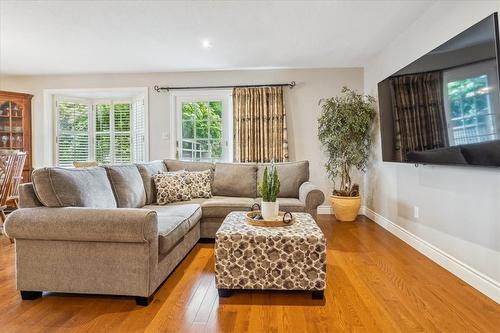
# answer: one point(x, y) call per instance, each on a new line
point(143, 301)
point(224, 292)
point(318, 294)
point(30, 295)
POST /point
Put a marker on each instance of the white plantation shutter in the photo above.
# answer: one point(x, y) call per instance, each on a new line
point(72, 132)
point(108, 132)
point(138, 130)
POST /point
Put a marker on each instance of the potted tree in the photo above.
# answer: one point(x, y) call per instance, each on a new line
point(344, 133)
point(269, 189)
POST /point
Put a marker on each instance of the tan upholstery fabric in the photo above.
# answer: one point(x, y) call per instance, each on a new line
point(291, 175)
point(60, 187)
point(127, 185)
point(288, 204)
point(221, 206)
point(174, 222)
point(176, 165)
point(311, 196)
point(147, 171)
point(82, 224)
point(83, 267)
point(259, 122)
point(27, 196)
point(235, 180)
point(168, 262)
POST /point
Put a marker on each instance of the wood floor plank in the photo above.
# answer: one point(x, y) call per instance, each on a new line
point(375, 283)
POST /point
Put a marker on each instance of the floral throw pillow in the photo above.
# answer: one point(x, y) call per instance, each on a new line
point(171, 187)
point(200, 183)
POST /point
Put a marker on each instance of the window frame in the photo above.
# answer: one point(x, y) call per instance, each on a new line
point(58, 99)
point(465, 72)
point(209, 95)
point(92, 107)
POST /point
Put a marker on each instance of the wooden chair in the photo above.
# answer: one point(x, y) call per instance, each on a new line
point(17, 177)
point(7, 164)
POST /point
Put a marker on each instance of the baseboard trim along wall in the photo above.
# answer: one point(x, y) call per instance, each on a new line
point(476, 279)
point(325, 210)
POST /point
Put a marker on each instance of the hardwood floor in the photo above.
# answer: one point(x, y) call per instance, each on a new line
point(376, 283)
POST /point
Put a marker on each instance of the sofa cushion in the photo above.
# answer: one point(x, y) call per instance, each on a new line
point(288, 204)
point(147, 171)
point(174, 222)
point(291, 175)
point(176, 165)
point(171, 187)
point(62, 187)
point(235, 180)
point(220, 206)
point(200, 183)
point(127, 185)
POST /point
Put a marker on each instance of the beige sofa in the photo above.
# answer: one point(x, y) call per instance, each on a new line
point(99, 230)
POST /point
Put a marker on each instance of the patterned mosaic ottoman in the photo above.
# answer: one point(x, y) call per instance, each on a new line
point(265, 258)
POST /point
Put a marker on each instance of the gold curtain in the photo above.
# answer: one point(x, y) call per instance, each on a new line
point(418, 109)
point(259, 125)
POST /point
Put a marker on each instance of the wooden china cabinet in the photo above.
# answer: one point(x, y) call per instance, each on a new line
point(15, 125)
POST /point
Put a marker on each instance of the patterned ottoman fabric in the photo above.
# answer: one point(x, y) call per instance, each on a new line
point(284, 258)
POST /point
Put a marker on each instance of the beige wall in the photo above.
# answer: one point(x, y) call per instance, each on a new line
point(301, 103)
point(459, 206)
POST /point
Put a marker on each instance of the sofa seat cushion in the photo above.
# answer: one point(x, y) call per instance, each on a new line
point(63, 187)
point(174, 222)
point(288, 204)
point(291, 174)
point(127, 185)
point(220, 206)
point(235, 180)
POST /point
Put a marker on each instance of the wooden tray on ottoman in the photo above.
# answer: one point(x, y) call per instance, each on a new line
point(268, 223)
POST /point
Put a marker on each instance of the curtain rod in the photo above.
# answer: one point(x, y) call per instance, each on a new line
point(290, 85)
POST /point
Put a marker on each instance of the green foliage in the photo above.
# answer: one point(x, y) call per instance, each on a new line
point(203, 121)
point(344, 132)
point(270, 186)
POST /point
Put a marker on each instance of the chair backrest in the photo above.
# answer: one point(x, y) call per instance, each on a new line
point(17, 174)
point(7, 170)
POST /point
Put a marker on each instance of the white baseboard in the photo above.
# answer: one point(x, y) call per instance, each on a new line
point(325, 209)
point(476, 279)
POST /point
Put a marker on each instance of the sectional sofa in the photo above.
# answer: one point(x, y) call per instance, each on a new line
point(100, 231)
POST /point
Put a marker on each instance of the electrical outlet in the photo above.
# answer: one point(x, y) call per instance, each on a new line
point(416, 212)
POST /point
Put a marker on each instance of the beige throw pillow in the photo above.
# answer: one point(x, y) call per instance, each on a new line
point(200, 183)
point(171, 187)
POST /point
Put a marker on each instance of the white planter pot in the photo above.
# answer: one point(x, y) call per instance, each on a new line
point(270, 210)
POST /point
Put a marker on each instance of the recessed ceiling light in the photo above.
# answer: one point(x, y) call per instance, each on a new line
point(206, 44)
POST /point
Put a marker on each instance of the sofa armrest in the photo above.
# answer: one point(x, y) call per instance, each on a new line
point(83, 224)
point(311, 196)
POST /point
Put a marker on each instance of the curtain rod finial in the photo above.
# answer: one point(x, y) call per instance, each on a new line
point(156, 88)
point(292, 84)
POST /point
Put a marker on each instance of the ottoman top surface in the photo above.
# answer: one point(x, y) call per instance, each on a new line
point(304, 227)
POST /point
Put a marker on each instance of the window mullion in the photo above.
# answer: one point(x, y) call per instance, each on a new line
point(112, 132)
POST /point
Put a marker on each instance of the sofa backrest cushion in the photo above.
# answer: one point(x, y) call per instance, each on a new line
point(176, 165)
point(147, 171)
point(61, 187)
point(235, 180)
point(291, 175)
point(127, 185)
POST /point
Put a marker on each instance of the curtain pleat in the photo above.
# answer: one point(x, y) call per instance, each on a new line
point(418, 112)
point(259, 125)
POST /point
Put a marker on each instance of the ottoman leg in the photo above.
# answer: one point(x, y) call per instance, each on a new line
point(224, 292)
point(30, 295)
point(144, 301)
point(318, 294)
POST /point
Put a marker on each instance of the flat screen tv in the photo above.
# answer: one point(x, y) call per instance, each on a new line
point(444, 108)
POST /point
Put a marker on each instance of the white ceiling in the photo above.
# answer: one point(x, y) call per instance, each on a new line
point(61, 37)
